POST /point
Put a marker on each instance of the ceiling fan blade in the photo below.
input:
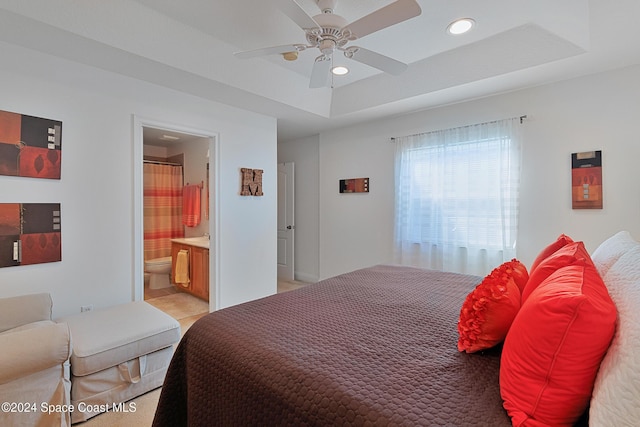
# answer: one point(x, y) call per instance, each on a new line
point(396, 12)
point(269, 51)
point(376, 60)
point(320, 72)
point(297, 14)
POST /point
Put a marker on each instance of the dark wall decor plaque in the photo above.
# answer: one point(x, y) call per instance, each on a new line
point(354, 185)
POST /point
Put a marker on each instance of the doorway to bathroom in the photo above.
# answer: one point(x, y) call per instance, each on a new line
point(175, 217)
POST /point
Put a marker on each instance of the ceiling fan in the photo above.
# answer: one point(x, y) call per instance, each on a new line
point(330, 32)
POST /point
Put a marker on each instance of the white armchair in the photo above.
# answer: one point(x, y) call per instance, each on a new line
point(34, 363)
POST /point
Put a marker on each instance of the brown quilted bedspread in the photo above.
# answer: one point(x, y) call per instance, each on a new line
point(372, 347)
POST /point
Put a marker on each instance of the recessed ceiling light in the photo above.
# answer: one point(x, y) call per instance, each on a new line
point(169, 137)
point(460, 26)
point(339, 70)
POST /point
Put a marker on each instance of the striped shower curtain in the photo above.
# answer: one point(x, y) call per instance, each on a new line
point(162, 208)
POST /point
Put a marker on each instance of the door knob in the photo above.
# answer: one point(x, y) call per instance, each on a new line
point(289, 227)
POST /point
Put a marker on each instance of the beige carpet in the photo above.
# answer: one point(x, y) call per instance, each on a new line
point(186, 309)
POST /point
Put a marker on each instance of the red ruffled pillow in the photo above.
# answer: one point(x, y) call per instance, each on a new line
point(489, 310)
point(518, 272)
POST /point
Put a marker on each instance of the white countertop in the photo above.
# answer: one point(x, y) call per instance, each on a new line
point(201, 242)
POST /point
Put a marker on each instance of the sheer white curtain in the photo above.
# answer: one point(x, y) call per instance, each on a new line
point(457, 191)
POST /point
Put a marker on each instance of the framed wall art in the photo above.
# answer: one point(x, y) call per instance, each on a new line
point(354, 185)
point(586, 180)
point(30, 146)
point(30, 233)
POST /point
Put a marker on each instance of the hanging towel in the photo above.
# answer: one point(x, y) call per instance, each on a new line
point(191, 205)
point(182, 268)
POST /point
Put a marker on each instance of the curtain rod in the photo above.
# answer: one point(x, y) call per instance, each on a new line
point(154, 162)
point(393, 138)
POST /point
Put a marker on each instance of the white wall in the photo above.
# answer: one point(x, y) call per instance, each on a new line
point(598, 112)
point(96, 187)
point(355, 229)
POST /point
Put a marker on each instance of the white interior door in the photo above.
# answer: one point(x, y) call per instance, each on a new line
point(286, 225)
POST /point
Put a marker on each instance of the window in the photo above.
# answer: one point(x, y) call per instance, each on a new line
point(457, 197)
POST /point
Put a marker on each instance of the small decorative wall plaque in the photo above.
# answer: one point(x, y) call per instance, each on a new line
point(586, 180)
point(251, 182)
point(30, 233)
point(354, 185)
point(30, 146)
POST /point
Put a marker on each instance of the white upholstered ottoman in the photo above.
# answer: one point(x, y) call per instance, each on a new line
point(118, 353)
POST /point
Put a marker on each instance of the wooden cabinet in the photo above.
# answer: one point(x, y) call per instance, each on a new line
point(200, 272)
point(198, 269)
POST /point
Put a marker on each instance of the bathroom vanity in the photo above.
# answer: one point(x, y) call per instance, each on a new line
point(198, 249)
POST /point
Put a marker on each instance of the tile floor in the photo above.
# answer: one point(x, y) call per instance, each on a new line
point(186, 308)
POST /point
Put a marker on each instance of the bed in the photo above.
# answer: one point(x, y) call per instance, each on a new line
point(378, 346)
point(375, 346)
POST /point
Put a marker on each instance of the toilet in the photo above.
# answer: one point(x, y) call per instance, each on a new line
point(159, 270)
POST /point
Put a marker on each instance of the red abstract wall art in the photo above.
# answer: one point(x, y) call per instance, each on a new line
point(30, 146)
point(30, 233)
point(586, 180)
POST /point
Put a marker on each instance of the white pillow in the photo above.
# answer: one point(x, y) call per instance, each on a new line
point(611, 249)
point(616, 393)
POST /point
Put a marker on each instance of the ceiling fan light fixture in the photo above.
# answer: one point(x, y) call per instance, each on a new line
point(460, 26)
point(339, 70)
point(290, 56)
point(329, 32)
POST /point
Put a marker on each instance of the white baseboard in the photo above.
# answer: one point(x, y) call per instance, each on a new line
point(307, 278)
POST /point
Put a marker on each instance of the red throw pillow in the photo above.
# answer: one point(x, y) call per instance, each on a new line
point(487, 312)
point(561, 241)
point(564, 256)
point(553, 350)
